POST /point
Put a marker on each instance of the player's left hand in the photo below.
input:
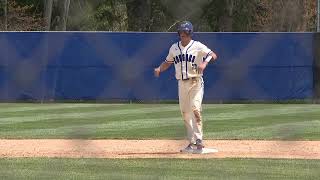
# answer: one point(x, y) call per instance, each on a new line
point(202, 67)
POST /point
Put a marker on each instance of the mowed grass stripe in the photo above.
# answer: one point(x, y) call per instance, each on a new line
point(111, 130)
point(294, 130)
point(265, 120)
point(102, 124)
point(222, 108)
point(94, 113)
point(57, 111)
point(145, 121)
point(65, 108)
point(242, 114)
point(6, 108)
point(163, 121)
point(114, 114)
point(140, 169)
point(86, 115)
point(31, 109)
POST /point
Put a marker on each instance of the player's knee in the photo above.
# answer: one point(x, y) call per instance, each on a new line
point(197, 115)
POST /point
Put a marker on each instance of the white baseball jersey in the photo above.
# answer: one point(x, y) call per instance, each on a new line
point(186, 59)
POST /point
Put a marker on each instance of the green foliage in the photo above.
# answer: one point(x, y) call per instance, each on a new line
point(240, 17)
point(244, 16)
point(80, 17)
point(161, 18)
point(36, 6)
point(104, 16)
point(108, 15)
point(2, 6)
point(213, 12)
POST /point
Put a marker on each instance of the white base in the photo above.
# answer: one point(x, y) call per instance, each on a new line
point(209, 150)
point(203, 151)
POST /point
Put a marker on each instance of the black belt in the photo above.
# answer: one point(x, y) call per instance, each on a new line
point(193, 78)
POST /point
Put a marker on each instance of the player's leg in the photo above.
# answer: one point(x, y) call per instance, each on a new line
point(185, 112)
point(186, 115)
point(196, 96)
point(188, 122)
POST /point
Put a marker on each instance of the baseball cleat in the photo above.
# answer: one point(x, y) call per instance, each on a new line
point(197, 151)
point(188, 149)
point(199, 144)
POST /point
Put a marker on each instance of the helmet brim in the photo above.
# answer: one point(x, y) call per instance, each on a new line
point(186, 30)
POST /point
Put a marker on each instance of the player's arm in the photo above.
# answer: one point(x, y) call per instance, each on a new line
point(163, 67)
point(212, 56)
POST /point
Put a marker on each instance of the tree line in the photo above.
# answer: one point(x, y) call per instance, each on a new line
point(158, 15)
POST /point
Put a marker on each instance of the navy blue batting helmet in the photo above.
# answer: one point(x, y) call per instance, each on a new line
point(185, 26)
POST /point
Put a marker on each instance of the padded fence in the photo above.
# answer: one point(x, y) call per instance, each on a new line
point(119, 66)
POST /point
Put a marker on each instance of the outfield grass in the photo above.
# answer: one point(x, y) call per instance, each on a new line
point(36, 168)
point(158, 121)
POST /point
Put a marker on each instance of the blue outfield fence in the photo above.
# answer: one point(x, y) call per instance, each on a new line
point(104, 66)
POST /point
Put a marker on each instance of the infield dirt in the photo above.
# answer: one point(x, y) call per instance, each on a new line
point(63, 148)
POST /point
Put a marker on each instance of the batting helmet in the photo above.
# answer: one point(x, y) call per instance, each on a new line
point(185, 26)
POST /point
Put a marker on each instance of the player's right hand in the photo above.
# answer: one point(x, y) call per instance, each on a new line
point(157, 72)
point(202, 66)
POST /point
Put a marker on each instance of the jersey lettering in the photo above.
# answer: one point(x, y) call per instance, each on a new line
point(181, 58)
point(187, 59)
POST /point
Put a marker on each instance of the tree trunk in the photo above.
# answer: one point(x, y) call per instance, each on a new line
point(65, 12)
point(56, 13)
point(3, 15)
point(226, 20)
point(48, 13)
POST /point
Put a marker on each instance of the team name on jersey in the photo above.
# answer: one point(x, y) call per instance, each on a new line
point(184, 57)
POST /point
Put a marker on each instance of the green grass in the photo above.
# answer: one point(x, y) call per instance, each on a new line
point(46, 168)
point(158, 121)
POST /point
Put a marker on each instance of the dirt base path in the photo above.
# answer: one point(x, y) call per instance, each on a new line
point(157, 149)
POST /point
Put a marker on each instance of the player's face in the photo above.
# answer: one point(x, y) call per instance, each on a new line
point(184, 35)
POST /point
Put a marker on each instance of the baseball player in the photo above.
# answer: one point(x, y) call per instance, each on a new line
point(190, 58)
